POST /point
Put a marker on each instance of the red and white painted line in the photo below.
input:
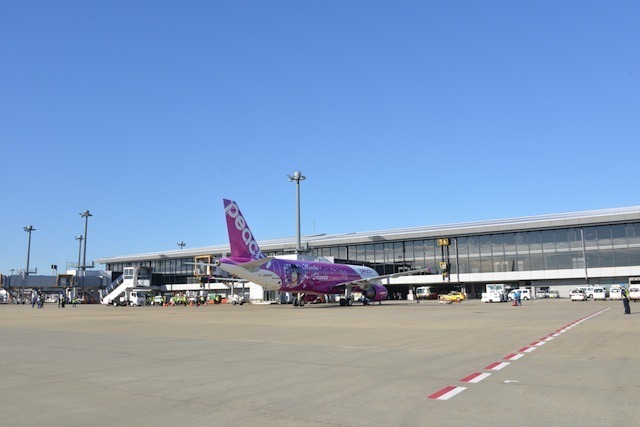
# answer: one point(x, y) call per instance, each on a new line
point(496, 366)
point(475, 377)
point(513, 356)
point(446, 393)
point(450, 391)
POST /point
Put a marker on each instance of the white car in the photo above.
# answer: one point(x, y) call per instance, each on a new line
point(578, 295)
point(634, 293)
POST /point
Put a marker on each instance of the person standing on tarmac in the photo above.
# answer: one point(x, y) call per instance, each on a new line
point(625, 301)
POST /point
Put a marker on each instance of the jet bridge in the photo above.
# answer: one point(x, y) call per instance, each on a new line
point(119, 291)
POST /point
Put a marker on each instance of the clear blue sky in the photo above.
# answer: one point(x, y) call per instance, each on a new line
point(400, 113)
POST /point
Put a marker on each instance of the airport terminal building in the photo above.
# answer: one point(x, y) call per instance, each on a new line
point(558, 251)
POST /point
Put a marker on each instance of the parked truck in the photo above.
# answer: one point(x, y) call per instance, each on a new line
point(130, 297)
point(495, 292)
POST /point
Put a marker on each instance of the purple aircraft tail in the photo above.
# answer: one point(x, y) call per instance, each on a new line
point(243, 245)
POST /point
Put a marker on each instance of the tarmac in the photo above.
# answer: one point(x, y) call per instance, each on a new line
point(545, 363)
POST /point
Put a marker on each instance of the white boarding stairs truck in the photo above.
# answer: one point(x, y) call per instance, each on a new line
point(128, 289)
point(495, 292)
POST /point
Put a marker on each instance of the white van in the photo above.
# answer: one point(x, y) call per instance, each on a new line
point(615, 292)
point(524, 294)
point(588, 291)
point(599, 293)
point(494, 293)
point(634, 293)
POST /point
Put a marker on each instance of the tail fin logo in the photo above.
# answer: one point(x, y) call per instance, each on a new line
point(242, 243)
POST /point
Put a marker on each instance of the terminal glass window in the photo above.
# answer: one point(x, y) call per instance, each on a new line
point(590, 237)
point(486, 265)
point(497, 252)
point(401, 257)
point(603, 232)
point(410, 255)
point(463, 255)
point(522, 247)
point(575, 238)
point(562, 240)
point(621, 249)
point(378, 254)
point(416, 259)
point(548, 241)
point(510, 252)
point(605, 246)
point(619, 235)
point(474, 253)
point(358, 253)
point(535, 250)
point(432, 253)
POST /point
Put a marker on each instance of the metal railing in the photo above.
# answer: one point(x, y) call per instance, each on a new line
point(107, 290)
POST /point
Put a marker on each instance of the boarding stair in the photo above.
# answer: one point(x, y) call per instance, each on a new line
point(114, 290)
point(133, 278)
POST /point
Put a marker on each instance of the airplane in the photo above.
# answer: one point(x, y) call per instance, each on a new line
point(306, 279)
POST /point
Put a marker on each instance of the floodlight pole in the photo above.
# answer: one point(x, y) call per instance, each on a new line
point(181, 244)
point(79, 239)
point(297, 177)
point(28, 229)
point(85, 215)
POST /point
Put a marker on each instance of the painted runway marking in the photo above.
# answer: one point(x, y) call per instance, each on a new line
point(474, 378)
point(446, 393)
point(496, 366)
point(450, 391)
point(513, 356)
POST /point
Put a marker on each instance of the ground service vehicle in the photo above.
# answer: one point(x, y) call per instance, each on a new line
point(634, 288)
point(524, 294)
point(588, 291)
point(426, 292)
point(554, 294)
point(578, 295)
point(452, 296)
point(494, 293)
point(542, 294)
point(599, 293)
point(615, 292)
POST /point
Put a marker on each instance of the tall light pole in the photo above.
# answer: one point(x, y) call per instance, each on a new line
point(85, 215)
point(79, 239)
point(28, 229)
point(181, 244)
point(297, 177)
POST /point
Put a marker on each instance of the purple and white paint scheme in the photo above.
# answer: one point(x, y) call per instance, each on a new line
point(305, 278)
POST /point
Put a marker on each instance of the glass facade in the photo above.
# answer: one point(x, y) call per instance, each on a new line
point(609, 245)
point(616, 245)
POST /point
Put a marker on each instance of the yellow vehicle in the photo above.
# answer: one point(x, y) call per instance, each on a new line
point(452, 296)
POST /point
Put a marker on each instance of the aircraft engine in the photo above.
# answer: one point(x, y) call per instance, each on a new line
point(375, 292)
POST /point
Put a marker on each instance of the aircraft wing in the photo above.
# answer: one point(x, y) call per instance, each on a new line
point(251, 265)
point(375, 279)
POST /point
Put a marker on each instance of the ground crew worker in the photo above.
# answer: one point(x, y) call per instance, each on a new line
point(625, 301)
